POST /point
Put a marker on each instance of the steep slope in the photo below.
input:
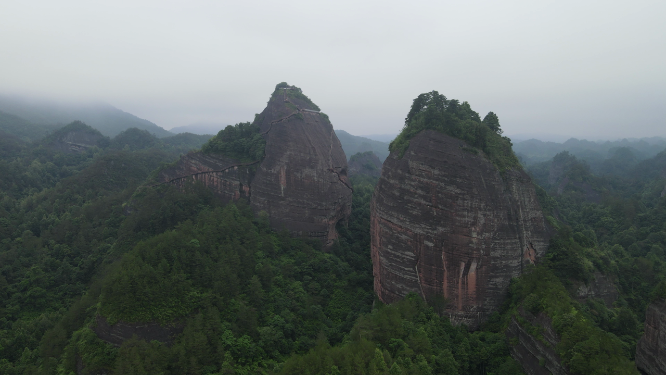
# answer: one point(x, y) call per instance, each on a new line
point(446, 224)
point(301, 180)
point(651, 348)
point(537, 355)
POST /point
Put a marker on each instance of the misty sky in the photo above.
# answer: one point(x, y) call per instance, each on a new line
point(594, 69)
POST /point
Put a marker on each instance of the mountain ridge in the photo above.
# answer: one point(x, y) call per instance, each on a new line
point(109, 120)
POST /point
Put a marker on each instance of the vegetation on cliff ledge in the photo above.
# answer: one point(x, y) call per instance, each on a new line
point(293, 92)
point(433, 111)
point(584, 347)
point(242, 141)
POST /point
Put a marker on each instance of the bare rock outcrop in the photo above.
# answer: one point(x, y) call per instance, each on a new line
point(536, 355)
point(651, 348)
point(600, 287)
point(301, 183)
point(446, 223)
point(228, 178)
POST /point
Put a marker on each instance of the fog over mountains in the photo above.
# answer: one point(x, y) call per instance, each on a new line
point(200, 128)
point(106, 118)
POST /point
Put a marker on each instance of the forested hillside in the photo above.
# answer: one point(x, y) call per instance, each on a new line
point(91, 243)
point(109, 120)
point(86, 245)
point(597, 154)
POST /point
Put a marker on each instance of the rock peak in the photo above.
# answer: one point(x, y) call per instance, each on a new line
point(301, 180)
point(447, 225)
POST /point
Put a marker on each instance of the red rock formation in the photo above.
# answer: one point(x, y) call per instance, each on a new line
point(651, 348)
point(302, 180)
point(228, 178)
point(445, 222)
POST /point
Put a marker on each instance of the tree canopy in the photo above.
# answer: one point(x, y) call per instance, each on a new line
point(433, 111)
point(241, 141)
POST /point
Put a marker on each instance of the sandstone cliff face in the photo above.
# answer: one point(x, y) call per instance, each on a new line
point(302, 180)
point(651, 348)
point(226, 177)
point(445, 223)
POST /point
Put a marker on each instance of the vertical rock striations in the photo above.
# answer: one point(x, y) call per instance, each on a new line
point(651, 348)
point(226, 177)
point(301, 182)
point(446, 223)
point(536, 355)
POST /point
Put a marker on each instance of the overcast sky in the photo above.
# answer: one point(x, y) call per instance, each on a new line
point(594, 69)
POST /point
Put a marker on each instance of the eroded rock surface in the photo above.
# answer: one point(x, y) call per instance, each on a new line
point(445, 223)
point(537, 356)
point(226, 177)
point(600, 287)
point(302, 180)
point(651, 348)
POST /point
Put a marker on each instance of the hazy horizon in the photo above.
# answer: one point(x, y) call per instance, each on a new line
point(590, 70)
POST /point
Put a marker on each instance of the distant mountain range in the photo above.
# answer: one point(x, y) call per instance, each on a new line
point(353, 144)
point(22, 128)
point(387, 138)
point(199, 128)
point(534, 151)
point(109, 120)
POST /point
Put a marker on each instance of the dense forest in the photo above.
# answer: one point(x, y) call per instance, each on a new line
point(83, 240)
